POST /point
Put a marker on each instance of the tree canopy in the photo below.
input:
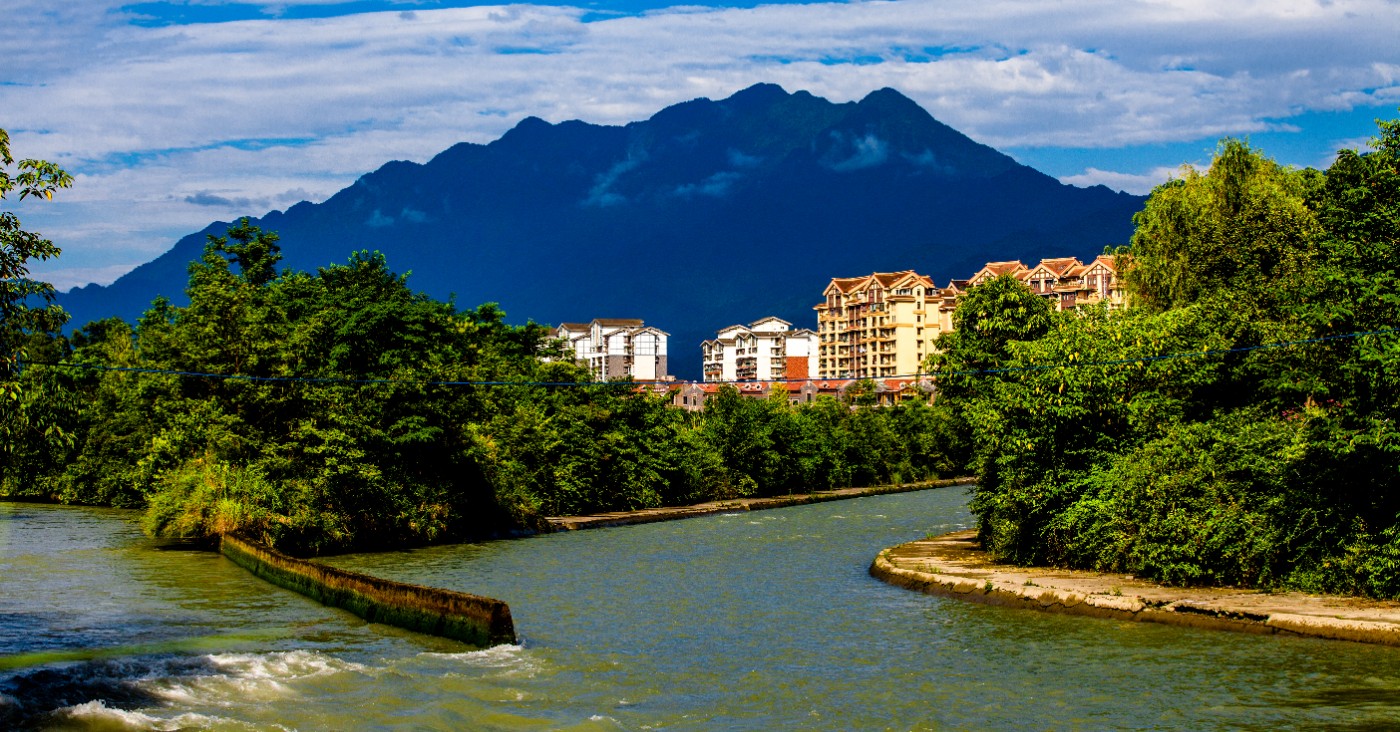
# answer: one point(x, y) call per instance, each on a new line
point(337, 409)
point(26, 304)
point(1237, 424)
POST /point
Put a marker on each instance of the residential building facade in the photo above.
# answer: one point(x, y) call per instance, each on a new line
point(884, 324)
point(880, 325)
point(764, 350)
point(1067, 281)
point(617, 348)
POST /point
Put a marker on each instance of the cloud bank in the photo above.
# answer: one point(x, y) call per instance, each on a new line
point(168, 127)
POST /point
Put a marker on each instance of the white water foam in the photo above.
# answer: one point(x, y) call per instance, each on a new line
point(282, 665)
point(95, 714)
point(494, 657)
point(250, 677)
point(502, 662)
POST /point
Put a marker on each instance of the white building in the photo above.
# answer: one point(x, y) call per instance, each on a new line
point(764, 350)
point(617, 348)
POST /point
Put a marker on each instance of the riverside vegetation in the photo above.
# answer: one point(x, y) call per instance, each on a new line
point(1229, 461)
point(1233, 461)
point(364, 444)
point(317, 463)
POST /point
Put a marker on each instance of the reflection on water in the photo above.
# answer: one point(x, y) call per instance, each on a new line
point(742, 621)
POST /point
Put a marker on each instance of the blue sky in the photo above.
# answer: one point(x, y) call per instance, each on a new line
point(176, 114)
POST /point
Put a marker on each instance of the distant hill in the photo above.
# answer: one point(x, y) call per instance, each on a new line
point(709, 213)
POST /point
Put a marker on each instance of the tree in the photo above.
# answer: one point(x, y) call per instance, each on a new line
point(20, 315)
point(987, 320)
point(1241, 230)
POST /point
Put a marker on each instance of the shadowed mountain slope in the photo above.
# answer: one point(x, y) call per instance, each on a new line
point(707, 214)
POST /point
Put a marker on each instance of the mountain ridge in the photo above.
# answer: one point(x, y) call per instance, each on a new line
point(706, 213)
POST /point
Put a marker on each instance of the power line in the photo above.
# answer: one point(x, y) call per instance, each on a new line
point(493, 383)
point(304, 379)
point(1181, 354)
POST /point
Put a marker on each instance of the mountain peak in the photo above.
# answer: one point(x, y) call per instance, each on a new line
point(527, 128)
point(748, 205)
point(763, 93)
point(891, 101)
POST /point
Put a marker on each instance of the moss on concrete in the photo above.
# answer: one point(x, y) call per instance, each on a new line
point(480, 621)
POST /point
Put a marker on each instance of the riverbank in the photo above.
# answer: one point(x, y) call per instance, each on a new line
point(953, 565)
point(652, 515)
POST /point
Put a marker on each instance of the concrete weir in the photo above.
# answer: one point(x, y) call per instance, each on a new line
point(953, 565)
point(480, 621)
point(674, 513)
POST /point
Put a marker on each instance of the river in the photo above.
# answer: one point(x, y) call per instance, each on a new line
point(752, 621)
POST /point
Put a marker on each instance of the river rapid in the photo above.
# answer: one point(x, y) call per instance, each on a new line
point(750, 621)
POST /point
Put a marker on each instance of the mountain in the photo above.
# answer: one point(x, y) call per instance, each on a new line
point(709, 213)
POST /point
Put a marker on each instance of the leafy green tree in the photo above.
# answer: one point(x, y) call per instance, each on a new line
point(1182, 440)
point(21, 317)
point(988, 319)
point(1240, 231)
point(336, 409)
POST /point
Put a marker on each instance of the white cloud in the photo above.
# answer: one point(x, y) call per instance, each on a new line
point(66, 278)
point(1134, 183)
point(864, 152)
point(163, 121)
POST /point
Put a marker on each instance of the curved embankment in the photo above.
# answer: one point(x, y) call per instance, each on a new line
point(955, 566)
point(650, 515)
point(480, 621)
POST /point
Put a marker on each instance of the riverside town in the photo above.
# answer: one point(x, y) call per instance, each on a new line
point(878, 328)
point(346, 466)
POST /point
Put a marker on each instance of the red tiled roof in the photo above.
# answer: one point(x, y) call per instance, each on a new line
point(1001, 268)
point(1059, 264)
point(847, 284)
point(1107, 260)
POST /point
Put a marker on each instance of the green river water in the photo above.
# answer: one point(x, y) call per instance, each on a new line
point(752, 621)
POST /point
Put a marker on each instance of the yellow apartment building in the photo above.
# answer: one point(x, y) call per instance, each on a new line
point(876, 326)
point(883, 324)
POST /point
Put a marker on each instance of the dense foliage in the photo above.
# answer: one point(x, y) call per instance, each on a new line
point(26, 304)
point(360, 418)
point(1178, 440)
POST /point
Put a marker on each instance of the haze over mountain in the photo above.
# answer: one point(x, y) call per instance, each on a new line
point(707, 214)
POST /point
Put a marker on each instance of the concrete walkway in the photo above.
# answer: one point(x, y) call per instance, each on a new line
point(650, 515)
point(955, 566)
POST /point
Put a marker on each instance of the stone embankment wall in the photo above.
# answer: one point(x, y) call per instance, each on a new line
point(480, 621)
point(953, 565)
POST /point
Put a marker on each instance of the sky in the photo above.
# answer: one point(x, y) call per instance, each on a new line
point(175, 114)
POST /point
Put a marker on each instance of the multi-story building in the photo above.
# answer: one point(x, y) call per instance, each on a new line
point(877, 326)
point(1067, 281)
point(764, 350)
point(616, 348)
point(884, 324)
